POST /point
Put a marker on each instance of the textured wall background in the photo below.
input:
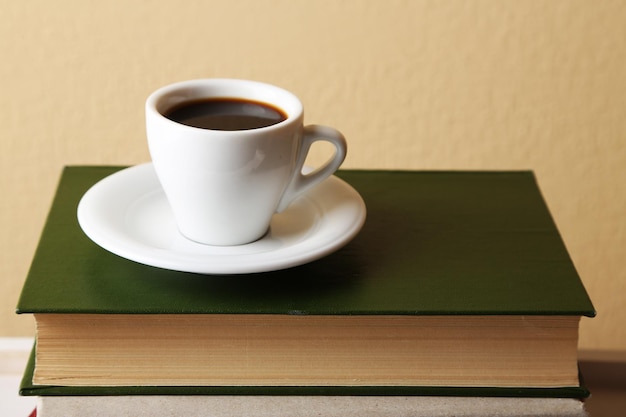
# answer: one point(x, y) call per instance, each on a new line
point(444, 84)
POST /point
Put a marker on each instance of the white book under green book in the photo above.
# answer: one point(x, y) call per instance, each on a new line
point(301, 406)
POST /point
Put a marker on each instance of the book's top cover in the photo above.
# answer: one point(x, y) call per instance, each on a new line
point(437, 243)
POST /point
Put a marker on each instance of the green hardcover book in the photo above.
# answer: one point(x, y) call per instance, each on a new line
point(28, 388)
point(168, 401)
point(195, 401)
point(458, 280)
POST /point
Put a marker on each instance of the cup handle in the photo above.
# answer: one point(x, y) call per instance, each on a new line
point(300, 182)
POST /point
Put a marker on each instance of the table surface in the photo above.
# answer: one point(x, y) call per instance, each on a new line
point(604, 373)
point(14, 353)
point(605, 376)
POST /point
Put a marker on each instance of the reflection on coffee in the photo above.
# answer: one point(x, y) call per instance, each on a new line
point(226, 114)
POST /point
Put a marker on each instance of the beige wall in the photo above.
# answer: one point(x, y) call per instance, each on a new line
point(413, 84)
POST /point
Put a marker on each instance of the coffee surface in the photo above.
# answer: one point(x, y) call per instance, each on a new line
point(226, 114)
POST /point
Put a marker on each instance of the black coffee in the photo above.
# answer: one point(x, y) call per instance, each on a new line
point(226, 114)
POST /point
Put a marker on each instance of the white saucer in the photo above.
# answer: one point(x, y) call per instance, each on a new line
point(127, 214)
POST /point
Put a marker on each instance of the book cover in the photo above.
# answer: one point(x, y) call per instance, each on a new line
point(434, 243)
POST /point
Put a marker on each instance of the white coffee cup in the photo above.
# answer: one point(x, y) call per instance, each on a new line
point(224, 186)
